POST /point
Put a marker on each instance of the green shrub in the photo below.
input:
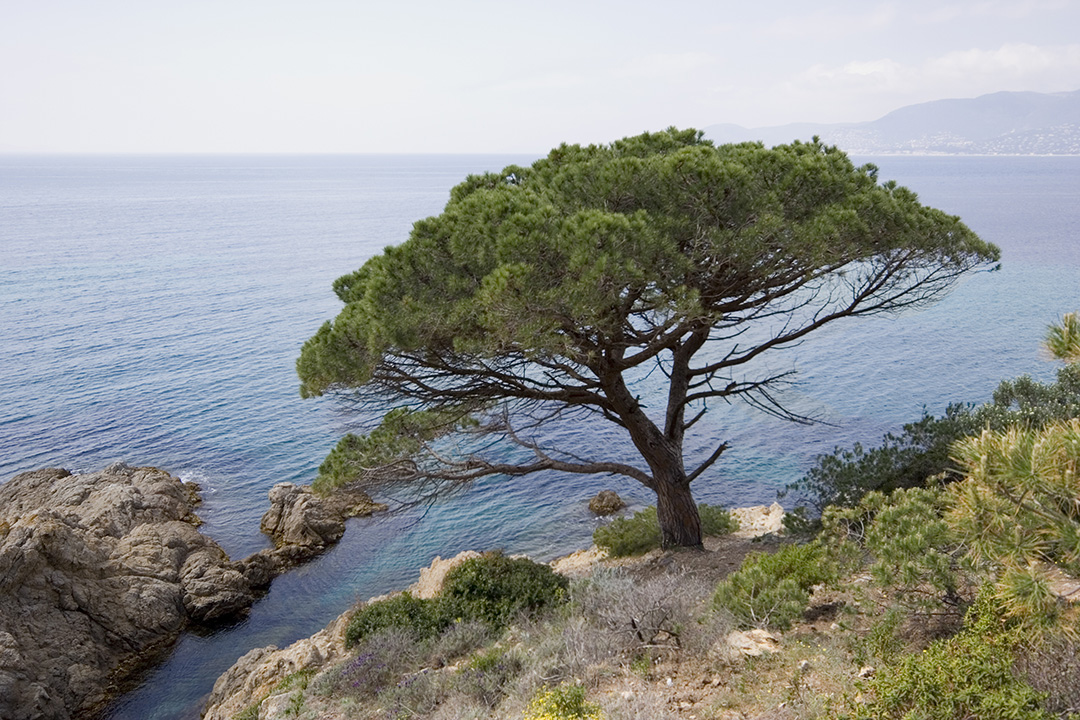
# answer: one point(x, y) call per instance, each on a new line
point(800, 525)
point(491, 589)
point(969, 675)
point(639, 534)
point(629, 536)
point(884, 642)
point(423, 618)
point(1017, 515)
point(494, 588)
point(913, 551)
point(771, 590)
point(913, 548)
point(906, 460)
point(956, 679)
point(716, 520)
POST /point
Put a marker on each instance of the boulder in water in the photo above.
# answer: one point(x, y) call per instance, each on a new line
point(606, 502)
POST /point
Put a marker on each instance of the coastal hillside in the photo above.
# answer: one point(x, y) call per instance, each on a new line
point(759, 627)
point(1004, 123)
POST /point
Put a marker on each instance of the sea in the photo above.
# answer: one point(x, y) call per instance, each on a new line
point(152, 309)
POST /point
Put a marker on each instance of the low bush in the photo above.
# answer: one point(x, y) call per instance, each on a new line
point(906, 460)
point(639, 534)
point(422, 618)
point(771, 590)
point(494, 588)
point(414, 696)
point(486, 678)
point(490, 589)
point(969, 675)
point(1017, 515)
point(914, 554)
point(923, 450)
point(566, 702)
point(459, 639)
point(883, 642)
point(381, 660)
point(629, 536)
point(631, 615)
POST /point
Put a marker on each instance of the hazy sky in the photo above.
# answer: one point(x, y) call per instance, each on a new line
point(499, 76)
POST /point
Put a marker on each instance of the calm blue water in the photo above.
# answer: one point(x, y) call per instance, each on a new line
point(151, 310)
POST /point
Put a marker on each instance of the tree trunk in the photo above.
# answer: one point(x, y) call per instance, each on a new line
point(680, 524)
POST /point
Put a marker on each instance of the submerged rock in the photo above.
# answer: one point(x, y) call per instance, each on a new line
point(98, 572)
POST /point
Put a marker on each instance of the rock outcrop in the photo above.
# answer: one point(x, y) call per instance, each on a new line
point(749, 643)
point(303, 524)
point(97, 572)
point(255, 676)
point(759, 520)
point(100, 572)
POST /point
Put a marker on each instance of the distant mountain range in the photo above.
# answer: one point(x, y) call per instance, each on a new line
point(1004, 123)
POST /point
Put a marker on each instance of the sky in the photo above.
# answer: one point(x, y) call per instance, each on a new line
point(507, 76)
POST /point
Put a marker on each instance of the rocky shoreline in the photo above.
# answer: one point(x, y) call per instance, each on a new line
point(260, 679)
point(101, 572)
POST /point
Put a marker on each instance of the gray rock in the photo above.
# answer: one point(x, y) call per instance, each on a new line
point(102, 571)
point(256, 678)
point(302, 523)
point(97, 572)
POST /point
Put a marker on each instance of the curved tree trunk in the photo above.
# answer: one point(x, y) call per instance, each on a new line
point(680, 524)
point(676, 511)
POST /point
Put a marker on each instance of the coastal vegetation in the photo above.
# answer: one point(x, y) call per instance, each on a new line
point(546, 295)
point(818, 630)
point(491, 589)
point(955, 597)
point(640, 533)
